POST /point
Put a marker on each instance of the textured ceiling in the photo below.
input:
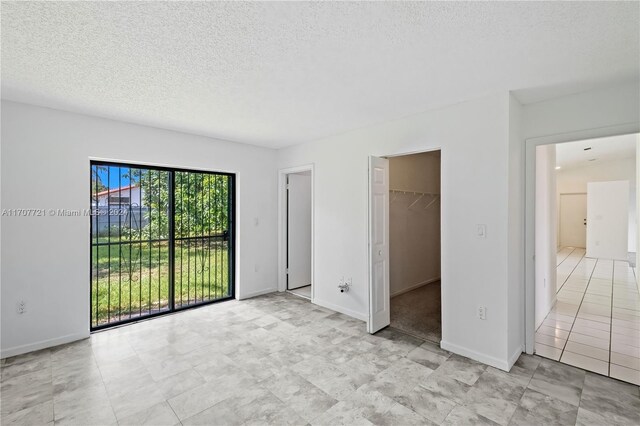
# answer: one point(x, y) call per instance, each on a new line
point(572, 154)
point(276, 74)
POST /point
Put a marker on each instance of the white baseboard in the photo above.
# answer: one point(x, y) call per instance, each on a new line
point(43, 344)
point(257, 293)
point(413, 287)
point(340, 309)
point(502, 364)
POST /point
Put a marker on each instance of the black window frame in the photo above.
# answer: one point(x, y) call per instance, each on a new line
point(231, 239)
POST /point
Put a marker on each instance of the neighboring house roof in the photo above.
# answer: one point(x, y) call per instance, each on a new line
point(111, 191)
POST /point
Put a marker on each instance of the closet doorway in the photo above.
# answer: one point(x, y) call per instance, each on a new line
point(414, 244)
point(299, 233)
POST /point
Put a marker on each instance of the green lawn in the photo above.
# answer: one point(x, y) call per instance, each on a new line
point(130, 280)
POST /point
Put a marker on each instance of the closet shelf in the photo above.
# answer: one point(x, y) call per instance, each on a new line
point(399, 191)
point(421, 195)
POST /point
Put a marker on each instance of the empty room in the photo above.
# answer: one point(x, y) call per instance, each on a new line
point(319, 213)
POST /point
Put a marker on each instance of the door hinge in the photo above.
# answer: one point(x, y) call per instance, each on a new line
point(286, 270)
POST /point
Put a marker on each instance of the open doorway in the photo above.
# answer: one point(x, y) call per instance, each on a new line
point(587, 303)
point(414, 244)
point(404, 236)
point(299, 233)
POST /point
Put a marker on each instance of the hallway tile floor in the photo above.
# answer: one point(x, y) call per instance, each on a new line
point(278, 360)
point(595, 323)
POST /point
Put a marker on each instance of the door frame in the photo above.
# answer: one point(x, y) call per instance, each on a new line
point(530, 206)
point(560, 215)
point(282, 225)
point(369, 210)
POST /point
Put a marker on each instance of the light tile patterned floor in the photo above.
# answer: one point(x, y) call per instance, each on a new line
point(302, 291)
point(280, 360)
point(595, 323)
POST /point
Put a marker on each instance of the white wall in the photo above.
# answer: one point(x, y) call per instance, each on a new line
point(607, 225)
point(595, 109)
point(474, 138)
point(574, 180)
point(46, 259)
point(546, 224)
point(414, 233)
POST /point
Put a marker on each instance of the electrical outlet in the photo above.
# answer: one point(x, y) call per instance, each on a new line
point(343, 286)
point(482, 312)
point(21, 307)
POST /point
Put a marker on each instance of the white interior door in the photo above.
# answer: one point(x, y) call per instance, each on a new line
point(298, 230)
point(379, 303)
point(608, 213)
point(573, 217)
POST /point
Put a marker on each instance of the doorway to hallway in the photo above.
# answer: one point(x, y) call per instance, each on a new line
point(587, 299)
point(299, 233)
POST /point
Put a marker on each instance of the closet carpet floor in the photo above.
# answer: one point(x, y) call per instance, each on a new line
point(418, 312)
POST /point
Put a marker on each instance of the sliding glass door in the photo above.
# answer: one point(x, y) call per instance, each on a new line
point(161, 240)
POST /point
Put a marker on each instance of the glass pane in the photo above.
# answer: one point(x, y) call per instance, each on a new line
point(130, 243)
point(202, 209)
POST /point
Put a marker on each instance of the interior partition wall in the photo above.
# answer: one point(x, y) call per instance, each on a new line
point(162, 240)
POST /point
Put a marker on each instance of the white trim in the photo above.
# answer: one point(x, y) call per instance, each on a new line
point(43, 344)
point(514, 357)
point(415, 286)
point(258, 293)
point(282, 225)
point(501, 364)
point(529, 213)
point(349, 312)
